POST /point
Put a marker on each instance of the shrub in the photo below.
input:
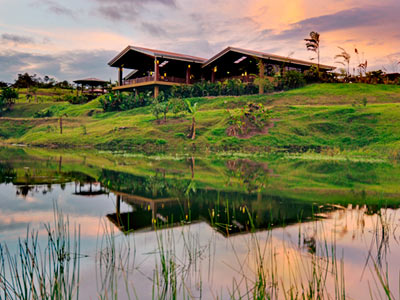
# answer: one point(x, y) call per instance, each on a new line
point(312, 75)
point(230, 87)
point(7, 98)
point(177, 105)
point(159, 108)
point(81, 99)
point(122, 102)
point(252, 117)
point(291, 80)
point(43, 114)
point(268, 85)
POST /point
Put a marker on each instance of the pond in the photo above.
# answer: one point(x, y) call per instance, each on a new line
point(118, 225)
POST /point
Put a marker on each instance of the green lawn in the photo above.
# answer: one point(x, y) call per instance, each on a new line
point(313, 117)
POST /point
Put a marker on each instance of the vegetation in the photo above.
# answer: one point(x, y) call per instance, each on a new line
point(7, 98)
point(313, 117)
point(232, 87)
point(312, 44)
point(123, 101)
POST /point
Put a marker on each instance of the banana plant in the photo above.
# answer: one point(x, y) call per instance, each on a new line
point(192, 109)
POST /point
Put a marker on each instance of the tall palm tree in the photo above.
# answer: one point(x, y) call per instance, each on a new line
point(312, 44)
point(346, 58)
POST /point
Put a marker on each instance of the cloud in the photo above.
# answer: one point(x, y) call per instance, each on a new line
point(56, 8)
point(126, 10)
point(68, 65)
point(345, 19)
point(16, 39)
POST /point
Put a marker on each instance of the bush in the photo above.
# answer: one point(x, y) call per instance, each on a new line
point(231, 87)
point(7, 98)
point(122, 102)
point(159, 108)
point(177, 105)
point(291, 80)
point(76, 99)
point(43, 114)
point(252, 117)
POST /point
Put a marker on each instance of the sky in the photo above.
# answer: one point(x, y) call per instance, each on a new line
point(74, 39)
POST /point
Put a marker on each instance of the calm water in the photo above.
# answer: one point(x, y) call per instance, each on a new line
point(212, 215)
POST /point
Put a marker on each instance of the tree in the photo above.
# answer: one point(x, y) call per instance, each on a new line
point(192, 109)
point(346, 59)
point(25, 81)
point(7, 98)
point(312, 44)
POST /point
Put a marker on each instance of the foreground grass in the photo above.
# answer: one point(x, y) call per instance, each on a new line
point(313, 117)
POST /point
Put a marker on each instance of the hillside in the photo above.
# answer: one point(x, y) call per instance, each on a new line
point(327, 117)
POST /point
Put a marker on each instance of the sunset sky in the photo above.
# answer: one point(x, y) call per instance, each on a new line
point(75, 39)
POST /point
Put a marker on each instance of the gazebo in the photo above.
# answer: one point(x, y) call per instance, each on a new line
point(96, 86)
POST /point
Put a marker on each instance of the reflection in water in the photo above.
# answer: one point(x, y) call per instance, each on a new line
point(200, 219)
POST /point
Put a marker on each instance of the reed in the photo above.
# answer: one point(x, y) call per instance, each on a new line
point(51, 272)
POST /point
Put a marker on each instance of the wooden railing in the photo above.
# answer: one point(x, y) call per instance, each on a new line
point(152, 78)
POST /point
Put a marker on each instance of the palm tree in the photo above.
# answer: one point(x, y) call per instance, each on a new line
point(192, 109)
point(312, 44)
point(346, 58)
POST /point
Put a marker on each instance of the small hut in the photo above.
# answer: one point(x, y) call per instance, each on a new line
point(91, 86)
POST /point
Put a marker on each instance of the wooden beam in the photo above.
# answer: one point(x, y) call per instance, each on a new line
point(188, 74)
point(156, 69)
point(120, 75)
point(156, 91)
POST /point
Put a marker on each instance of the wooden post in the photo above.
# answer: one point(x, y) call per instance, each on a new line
point(120, 75)
point(61, 124)
point(213, 74)
point(261, 68)
point(156, 91)
point(188, 75)
point(156, 69)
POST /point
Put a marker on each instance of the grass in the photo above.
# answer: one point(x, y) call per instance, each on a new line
point(36, 273)
point(266, 268)
point(316, 117)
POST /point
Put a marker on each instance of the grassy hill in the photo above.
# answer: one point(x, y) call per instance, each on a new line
point(330, 117)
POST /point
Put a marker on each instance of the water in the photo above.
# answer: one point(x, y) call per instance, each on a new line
point(214, 217)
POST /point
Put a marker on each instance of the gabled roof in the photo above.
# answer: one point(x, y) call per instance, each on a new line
point(264, 56)
point(158, 53)
point(91, 81)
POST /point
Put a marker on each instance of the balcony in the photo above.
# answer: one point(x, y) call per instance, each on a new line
point(149, 79)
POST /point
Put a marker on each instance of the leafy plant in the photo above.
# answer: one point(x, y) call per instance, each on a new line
point(7, 98)
point(43, 114)
point(177, 105)
point(192, 109)
point(122, 101)
point(291, 80)
point(345, 56)
point(252, 117)
point(312, 44)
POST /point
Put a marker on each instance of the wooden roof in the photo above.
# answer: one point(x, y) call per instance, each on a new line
point(91, 81)
point(155, 53)
point(264, 55)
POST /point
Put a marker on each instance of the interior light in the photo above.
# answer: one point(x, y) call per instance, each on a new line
point(240, 59)
point(189, 66)
point(164, 63)
point(215, 69)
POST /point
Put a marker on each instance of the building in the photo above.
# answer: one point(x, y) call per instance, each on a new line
point(157, 70)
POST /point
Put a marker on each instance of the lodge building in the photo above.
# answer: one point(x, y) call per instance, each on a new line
point(156, 69)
